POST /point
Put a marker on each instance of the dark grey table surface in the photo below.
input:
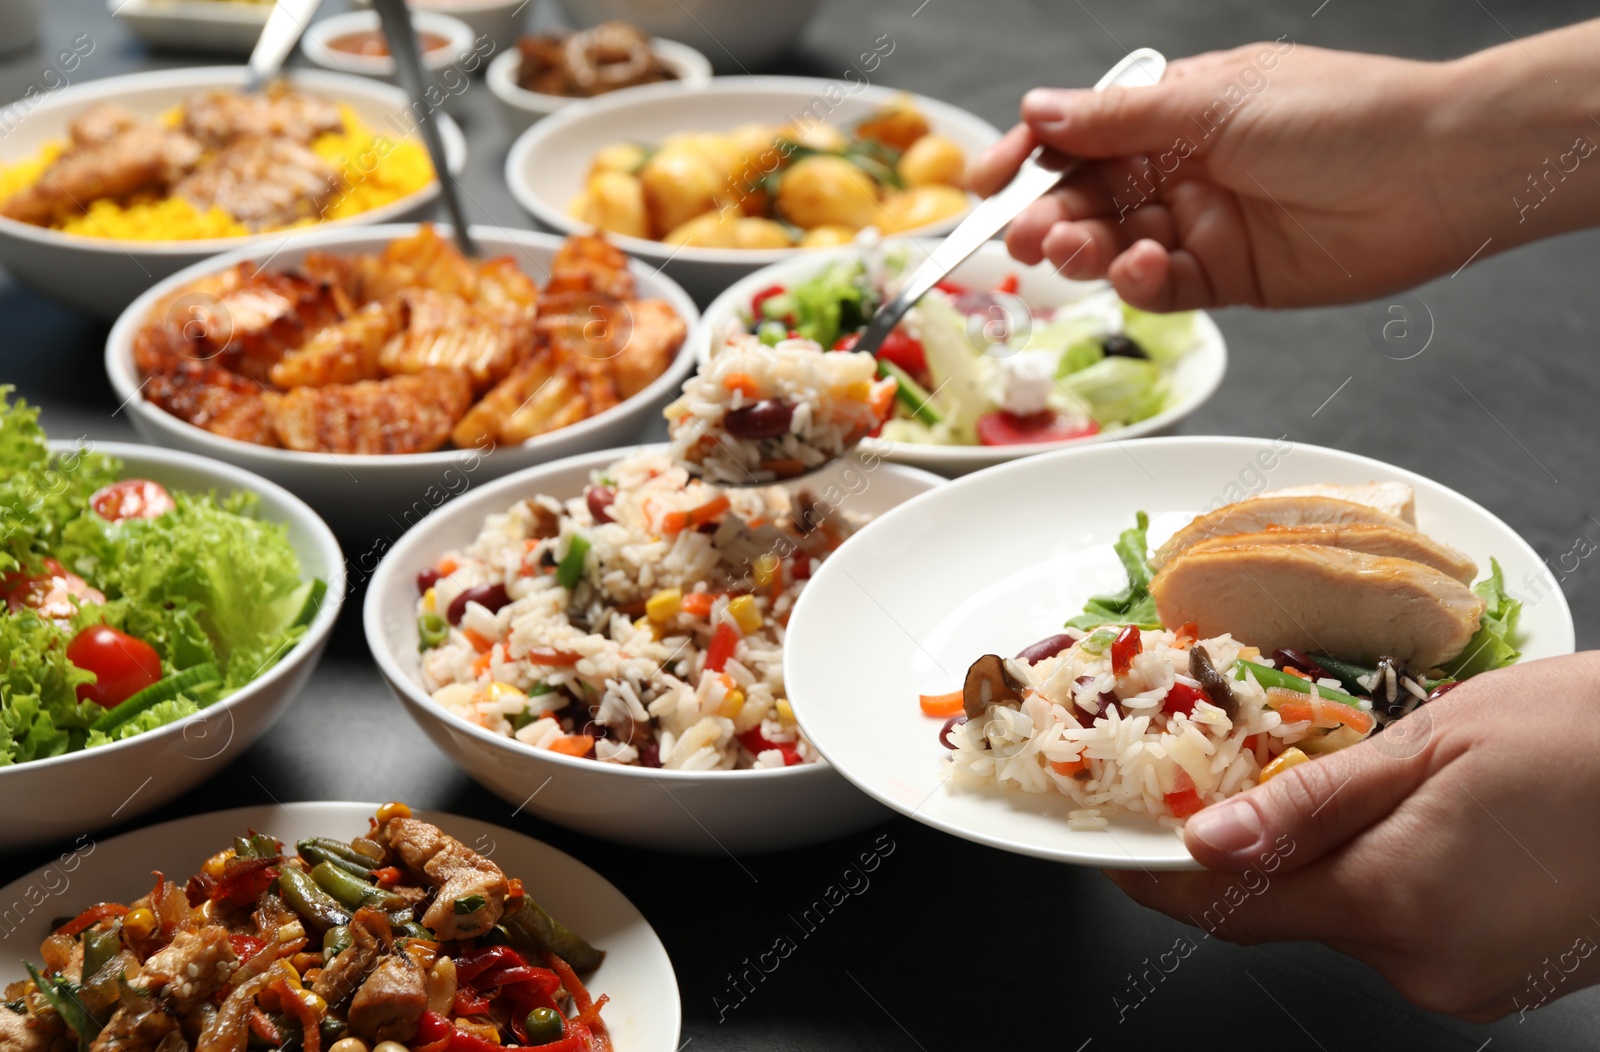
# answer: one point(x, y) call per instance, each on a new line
point(1500, 406)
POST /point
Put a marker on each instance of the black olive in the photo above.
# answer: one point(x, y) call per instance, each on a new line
point(1212, 681)
point(989, 682)
point(1121, 347)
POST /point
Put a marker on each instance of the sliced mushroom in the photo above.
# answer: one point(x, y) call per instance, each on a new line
point(989, 682)
point(1211, 681)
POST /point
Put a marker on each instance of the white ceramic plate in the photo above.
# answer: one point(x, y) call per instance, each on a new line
point(547, 166)
point(522, 107)
point(643, 1014)
point(229, 27)
point(369, 496)
point(688, 812)
point(102, 275)
point(1194, 378)
point(998, 560)
point(93, 788)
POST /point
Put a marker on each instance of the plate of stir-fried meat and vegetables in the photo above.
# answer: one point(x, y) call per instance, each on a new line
point(331, 927)
point(138, 176)
point(1123, 635)
point(386, 356)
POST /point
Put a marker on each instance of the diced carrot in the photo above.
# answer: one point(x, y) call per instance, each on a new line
point(698, 604)
point(709, 510)
point(549, 656)
point(479, 643)
point(1333, 714)
point(1188, 634)
point(941, 704)
point(883, 398)
point(785, 468)
point(482, 662)
point(1070, 768)
point(744, 383)
point(1295, 672)
point(572, 744)
point(674, 522)
point(448, 566)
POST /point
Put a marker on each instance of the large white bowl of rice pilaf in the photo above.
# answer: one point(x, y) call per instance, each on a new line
point(117, 256)
point(624, 677)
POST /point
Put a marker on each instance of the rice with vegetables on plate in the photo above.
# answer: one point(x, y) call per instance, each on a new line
point(756, 413)
point(641, 622)
point(1151, 700)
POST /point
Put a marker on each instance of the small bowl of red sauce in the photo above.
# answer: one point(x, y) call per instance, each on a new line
point(354, 42)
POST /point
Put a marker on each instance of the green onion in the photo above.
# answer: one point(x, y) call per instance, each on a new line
point(432, 630)
point(1097, 642)
point(570, 571)
point(911, 394)
point(200, 675)
point(63, 997)
point(469, 904)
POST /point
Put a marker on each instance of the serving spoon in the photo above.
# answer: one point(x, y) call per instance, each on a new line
point(407, 52)
point(285, 22)
point(1042, 171)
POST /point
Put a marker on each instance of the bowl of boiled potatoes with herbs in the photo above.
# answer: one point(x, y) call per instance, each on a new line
point(705, 182)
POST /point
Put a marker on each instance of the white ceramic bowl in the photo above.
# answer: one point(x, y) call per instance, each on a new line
point(372, 496)
point(101, 276)
point(87, 790)
point(642, 1015)
point(689, 812)
point(548, 164)
point(522, 107)
point(447, 63)
point(215, 26)
point(739, 36)
point(1195, 377)
point(875, 627)
point(497, 21)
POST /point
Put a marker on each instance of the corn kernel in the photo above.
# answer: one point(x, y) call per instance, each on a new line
point(785, 710)
point(663, 604)
point(393, 809)
point(766, 569)
point(139, 923)
point(644, 623)
point(1285, 760)
point(284, 970)
point(430, 599)
point(743, 610)
point(732, 704)
point(313, 1001)
point(859, 391)
point(497, 691)
point(217, 863)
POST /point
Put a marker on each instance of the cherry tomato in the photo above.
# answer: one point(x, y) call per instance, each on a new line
point(847, 342)
point(763, 296)
point(1125, 648)
point(131, 499)
point(951, 288)
point(49, 593)
point(1000, 428)
point(123, 665)
point(1181, 698)
point(1009, 284)
point(904, 351)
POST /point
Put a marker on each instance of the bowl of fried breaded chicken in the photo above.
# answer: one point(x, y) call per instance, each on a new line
point(108, 186)
point(378, 372)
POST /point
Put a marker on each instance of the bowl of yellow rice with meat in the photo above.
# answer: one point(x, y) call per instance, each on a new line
point(110, 186)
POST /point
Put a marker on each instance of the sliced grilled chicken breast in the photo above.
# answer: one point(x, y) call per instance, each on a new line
point(1257, 513)
point(1396, 498)
point(1313, 597)
point(1360, 537)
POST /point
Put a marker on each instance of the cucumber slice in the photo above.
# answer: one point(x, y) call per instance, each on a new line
point(316, 590)
point(156, 693)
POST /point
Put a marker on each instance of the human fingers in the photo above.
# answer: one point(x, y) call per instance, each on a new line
point(995, 167)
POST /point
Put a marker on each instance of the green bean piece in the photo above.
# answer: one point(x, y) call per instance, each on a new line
point(533, 930)
point(1271, 677)
point(316, 853)
point(335, 941)
point(338, 849)
point(412, 930)
point(432, 630)
point(315, 906)
point(911, 394)
point(62, 996)
point(570, 570)
point(255, 845)
point(353, 892)
point(544, 1026)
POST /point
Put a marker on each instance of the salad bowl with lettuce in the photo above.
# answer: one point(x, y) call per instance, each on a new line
point(1001, 361)
point(158, 611)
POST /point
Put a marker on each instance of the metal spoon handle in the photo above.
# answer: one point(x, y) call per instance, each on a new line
point(1038, 175)
point(407, 52)
point(285, 22)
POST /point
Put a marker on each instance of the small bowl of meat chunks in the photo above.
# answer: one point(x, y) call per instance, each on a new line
point(378, 372)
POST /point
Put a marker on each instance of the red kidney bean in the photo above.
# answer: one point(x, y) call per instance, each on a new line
point(949, 725)
point(649, 755)
point(1285, 657)
point(489, 596)
point(426, 580)
point(1048, 647)
point(767, 418)
point(600, 499)
point(1442, 689)
point(1106, 700)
